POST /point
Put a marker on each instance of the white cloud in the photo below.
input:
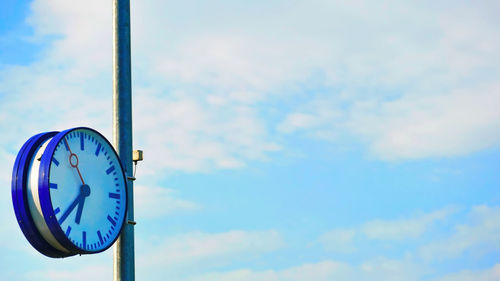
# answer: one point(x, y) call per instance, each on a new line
point(238, 62)
point(98, 267)
point(201, 256)
point(180, 127)
point(196, 251)
point(429, 95)
point(410, 79)
point(477, 237)
point(344, 240)
point(154, 202)
point(192, 135)
point(391, 269)
point(339, 240)
point(96, 272)
point(374, 270)
point(199, 247)
point(456, 123)
point(322, 271)
point(322, 119)
point(490, 274)
point(445, 123)
point(401, 85)
point(402, 229)
point(80, 35)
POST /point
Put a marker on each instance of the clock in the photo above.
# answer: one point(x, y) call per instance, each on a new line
point(69, 192)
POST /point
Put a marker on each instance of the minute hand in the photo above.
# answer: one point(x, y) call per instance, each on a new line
point(70, 208)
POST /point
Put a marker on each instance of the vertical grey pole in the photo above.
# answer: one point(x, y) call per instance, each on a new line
point(124, 268)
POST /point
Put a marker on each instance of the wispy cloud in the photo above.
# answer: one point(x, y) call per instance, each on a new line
point(321, 271)
point(345, 240)
point(196, 251)
point(418, 126)
point(476, 237)
point(189, 133)
point(489, 274)
point(412, 80)
point(401, 229)
point(97, 272)
point(409, 98)
point(182, 126)
point(153, 202)
point(87, 267)
point(197, 95)
point(373, 270)
point(339, 240)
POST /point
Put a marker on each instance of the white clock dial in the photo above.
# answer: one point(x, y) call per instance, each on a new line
point(87, 190)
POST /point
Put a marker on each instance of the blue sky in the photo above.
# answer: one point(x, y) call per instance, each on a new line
point(283, 140)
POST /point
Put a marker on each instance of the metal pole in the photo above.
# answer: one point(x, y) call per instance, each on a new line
point(123, 265)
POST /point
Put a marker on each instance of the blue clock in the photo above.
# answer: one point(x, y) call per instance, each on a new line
point(69, 192)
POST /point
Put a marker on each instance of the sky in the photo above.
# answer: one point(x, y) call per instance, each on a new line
point(283, 140)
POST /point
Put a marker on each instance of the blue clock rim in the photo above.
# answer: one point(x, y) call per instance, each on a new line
point(46, 202)
point(20, 200)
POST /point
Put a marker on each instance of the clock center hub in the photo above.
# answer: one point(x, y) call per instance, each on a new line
point(85, 190)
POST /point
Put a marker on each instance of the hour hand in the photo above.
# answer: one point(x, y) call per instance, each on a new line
point(79, 210)
point(84, 192)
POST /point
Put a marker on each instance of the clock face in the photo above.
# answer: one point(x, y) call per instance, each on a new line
point(82, 190)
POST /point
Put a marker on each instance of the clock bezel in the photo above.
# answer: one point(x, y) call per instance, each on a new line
point(20, 198)
point(46, 202)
